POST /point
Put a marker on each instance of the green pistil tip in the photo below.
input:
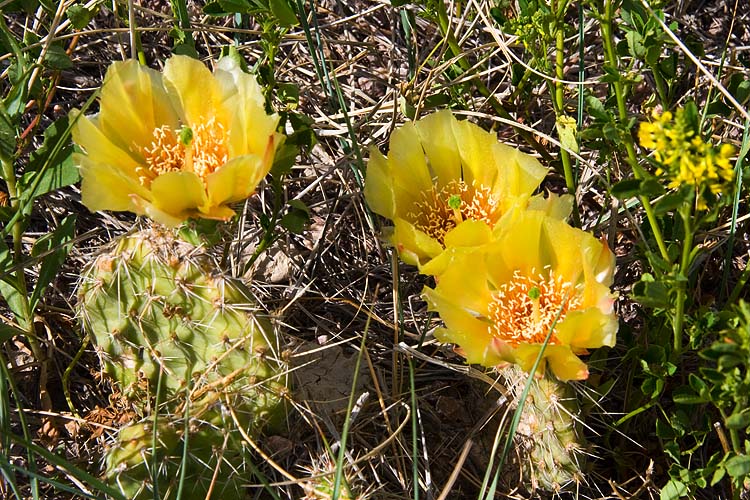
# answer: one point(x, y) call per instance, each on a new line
point(186, 136)
point(534, 293)
point(454, 202)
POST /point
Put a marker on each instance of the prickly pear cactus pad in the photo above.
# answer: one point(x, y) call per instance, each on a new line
point(164, 318)
point(146, 460)
point(552, 446)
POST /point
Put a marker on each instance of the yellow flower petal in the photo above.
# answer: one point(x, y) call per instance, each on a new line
point(178, 193)
point(236, 180)
point(413, 245)
point(555, 206)
point(407, 166)
point(241, 93)
point(106, 187)
point(441, 172)
point(588, 328)
point(133, 102)
point(537, 278)
point(437, 137)
point(566, 365)
point(180, 145)
point(379, 186)
point(193, 90)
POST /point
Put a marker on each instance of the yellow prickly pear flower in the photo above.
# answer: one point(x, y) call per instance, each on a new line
point(178, 144)
point(441, 172)
point(500, 299)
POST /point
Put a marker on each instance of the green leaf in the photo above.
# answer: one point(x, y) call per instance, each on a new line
point(567, 129)
point(51, 166)
point(739, 420)
point(729, 361)
point(596, 108)
point(626, 189)
point(284, 160)
point(670, 202)
point(282, 12)
point(289, 94)
point(7, 135)
point(698, 385)
point(7, 332)
point(297, 218)
point(719, 474)
point(635, 44)
point(52, 248)
point(8, 288)
point(56, 58)
point(80, 16)
point(738, 466)
point(673, 490)
point(686, 396)
point(227, 7)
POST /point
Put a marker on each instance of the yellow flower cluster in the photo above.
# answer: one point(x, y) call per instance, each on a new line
point(684, 157)
point(178, 144)
point(510, 272)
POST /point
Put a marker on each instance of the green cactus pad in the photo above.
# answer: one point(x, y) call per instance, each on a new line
point(210, 464)
point(179, 337)
point(549, 433)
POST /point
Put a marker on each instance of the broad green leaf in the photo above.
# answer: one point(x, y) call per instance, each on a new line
point(227, 7)
point(626, 189)
point(739, 420)
point(56, 58)
point(738, 466)
point(52, 248)
point(51, 166)
point(80, 16)
point(635, 44)
point(296, 218)
point(7, 332)
point(7, 136)
point(9, 288)
point(687, 396)
point(283, 12)
point(673, 490)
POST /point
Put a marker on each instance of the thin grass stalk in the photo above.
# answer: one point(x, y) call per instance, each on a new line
point(338, 478)
point(414, 429)
point(611, 59)
point(738, 169)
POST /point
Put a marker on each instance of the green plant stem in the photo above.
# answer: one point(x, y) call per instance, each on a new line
point(611, 60)
point(9, 175)
point(684, 270)
point(444, 25)
point(559, 100)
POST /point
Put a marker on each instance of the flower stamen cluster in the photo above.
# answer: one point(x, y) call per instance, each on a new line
point(440, 210)
point(525, 308)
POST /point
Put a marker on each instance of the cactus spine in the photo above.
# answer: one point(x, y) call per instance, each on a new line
point(180, 338)
point(549, 432)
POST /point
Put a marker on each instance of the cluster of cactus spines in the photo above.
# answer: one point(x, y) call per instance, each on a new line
point(320, 481)
point(551, 441)
point(165, 320)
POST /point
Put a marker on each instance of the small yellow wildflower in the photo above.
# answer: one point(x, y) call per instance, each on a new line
point(500, 298)
point(684, 157)
point(176, 145)
point(441, 172)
